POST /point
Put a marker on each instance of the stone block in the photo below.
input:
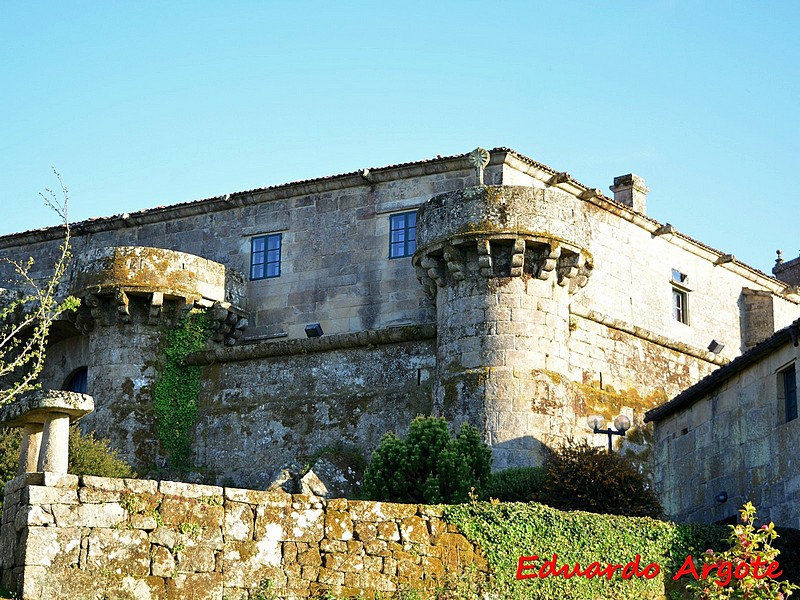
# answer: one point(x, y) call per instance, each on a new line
point(271, 499)
point(89, 515)
point(188, 490)
point(338, 525)
point(387, 530)
point(35, 494)
point(121, 551)
point(162, 562)
point(379, 511)
point(195, 558)
point(414, 530)
point(103, 483)
point(49, 547)
point(196, 586)
point(246, 562)
point(239, 521)
point(306, 525)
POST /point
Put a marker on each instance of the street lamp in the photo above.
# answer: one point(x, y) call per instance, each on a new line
point(621, 422)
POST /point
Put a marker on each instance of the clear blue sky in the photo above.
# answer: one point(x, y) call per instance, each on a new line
point(141, 104)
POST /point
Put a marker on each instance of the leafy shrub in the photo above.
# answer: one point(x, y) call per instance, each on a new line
point(734, 574)
point(92, 456)
point(517, 484)
point(87, 456)
point(581, 477)
point(429, 466)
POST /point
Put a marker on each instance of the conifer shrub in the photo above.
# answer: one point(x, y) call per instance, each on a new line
point(430, 466)
point(582, 477)
point(516, 484)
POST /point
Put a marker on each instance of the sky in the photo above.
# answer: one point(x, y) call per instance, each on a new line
point(152, 103)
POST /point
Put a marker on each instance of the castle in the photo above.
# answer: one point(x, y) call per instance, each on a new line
point(486, 287)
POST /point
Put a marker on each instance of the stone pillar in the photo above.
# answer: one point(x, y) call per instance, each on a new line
point(501, 265)
point(54, 452)
point(29, 448)
point(45, 417)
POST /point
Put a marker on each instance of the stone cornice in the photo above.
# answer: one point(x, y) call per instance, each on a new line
point(341, 341)
point(648, 335)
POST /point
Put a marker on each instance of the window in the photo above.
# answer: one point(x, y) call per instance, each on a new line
point(679, 306)
point(402, 234)
point(787, 389)
point(680, 297)
point(78, 381)
point(265, 256)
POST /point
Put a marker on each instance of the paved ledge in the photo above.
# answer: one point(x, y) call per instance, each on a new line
point(361, 339)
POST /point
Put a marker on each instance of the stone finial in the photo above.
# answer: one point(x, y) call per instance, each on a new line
point(44, 417)
point(480, 160)
point(630, 190)
point(779, 260)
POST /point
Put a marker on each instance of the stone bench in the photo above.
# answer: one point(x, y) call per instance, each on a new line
point(44, 417)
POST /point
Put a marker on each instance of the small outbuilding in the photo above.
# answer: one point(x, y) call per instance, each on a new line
point(733, 437)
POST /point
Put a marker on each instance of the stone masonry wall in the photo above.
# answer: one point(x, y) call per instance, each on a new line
point(736, 440)
point(91, 538)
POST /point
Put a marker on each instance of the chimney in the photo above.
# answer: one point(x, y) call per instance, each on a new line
point(630, 190)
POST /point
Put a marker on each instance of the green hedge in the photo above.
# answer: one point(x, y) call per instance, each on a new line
point(510, 530)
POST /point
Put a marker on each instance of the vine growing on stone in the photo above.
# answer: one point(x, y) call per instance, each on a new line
point(178, 386)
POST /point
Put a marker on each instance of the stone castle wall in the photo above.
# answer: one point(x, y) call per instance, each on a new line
point(91, 537)
point(734, 439)
point(524, 349)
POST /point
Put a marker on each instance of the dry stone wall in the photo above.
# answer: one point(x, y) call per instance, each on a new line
point(91, 537)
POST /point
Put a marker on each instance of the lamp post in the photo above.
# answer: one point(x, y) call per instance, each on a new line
point(621, 422)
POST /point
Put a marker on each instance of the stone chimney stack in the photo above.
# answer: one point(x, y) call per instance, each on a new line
point(630, 190)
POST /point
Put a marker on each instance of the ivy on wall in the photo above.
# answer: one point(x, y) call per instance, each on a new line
point(507, 531)
point(178, 386)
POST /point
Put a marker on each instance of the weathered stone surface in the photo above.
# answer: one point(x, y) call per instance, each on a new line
point(245, 562)
point(414, 530)
point(49, 495)
point(162, 562)
point(328, 480)
point(51, 546)
point(239, 521)
point(338, 525)
point(121, 551)
point(195, 586)
point(39, 405)
point(189, 490)
point(109, 514)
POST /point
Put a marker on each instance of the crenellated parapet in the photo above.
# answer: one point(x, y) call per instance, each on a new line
point(123, 284)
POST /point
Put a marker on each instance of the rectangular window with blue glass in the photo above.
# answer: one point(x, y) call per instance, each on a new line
point(402, 234)
point(265, 256)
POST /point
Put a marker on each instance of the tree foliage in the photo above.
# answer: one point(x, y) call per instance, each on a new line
point(28, 310)
point(430, 466)
point(581, 477)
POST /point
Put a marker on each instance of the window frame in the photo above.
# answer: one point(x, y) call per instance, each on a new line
point(409, 245)
point(680, 296)
point(269, 256)
point(787, 392)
